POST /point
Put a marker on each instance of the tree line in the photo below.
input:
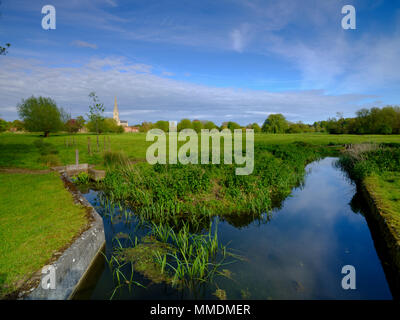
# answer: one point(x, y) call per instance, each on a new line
point(43, 115)
point(40, 114)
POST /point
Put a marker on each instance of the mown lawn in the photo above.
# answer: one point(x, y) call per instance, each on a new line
point(19, 150)
point(37, 218)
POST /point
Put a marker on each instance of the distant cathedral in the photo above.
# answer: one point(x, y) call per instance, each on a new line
point(123, 123)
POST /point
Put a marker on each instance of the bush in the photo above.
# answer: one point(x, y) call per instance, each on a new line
point(364, 159)
point(45, 148)
point(50, 160)
point(115, 158)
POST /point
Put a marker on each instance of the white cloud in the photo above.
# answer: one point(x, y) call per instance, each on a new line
point(239, 38)
point(144, 96)
point(84, 44)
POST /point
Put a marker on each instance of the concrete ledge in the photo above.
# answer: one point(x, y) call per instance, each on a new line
point(96, 175)
point(72, 265)
point(74, 169)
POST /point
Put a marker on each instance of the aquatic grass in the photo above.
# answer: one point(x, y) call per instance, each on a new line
point(118, 268)
point(168, 194)
point(177, 257)
point(195, 258)
point(81, 178)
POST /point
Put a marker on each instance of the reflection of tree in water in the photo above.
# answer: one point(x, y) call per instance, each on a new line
point(357, 204)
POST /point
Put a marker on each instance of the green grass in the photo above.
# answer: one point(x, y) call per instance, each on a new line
point(18, 150)
point(385, 189)
point(179, 258)
point(378, 167)
point(194, 193)
point(37, 218)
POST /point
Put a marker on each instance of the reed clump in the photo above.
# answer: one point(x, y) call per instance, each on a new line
point(172, 192)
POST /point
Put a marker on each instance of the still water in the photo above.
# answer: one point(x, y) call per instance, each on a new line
point(296, 252)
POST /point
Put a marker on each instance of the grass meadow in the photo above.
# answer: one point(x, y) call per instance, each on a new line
point(37, 218)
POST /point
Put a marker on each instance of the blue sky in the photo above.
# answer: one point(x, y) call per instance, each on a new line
point(221, 60)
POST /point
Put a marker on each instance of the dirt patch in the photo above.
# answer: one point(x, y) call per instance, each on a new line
point(22, 170)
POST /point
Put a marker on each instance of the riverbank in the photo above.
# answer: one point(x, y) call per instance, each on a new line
point(38, 221)
point(376, 169)
point(381, 194)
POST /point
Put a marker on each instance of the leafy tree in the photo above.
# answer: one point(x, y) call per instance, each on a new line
point(96, 110)
point(197, 126)
point(255, 127)
point(18, 125)
point(233, 125)
point(209, 125)
point(110, 125)
point(275, 123)
point(40, 114)
point(145, 126)
point(4, 125)
point(3, 50)
point(184, 124)
point(163, 125)
point(74, 125)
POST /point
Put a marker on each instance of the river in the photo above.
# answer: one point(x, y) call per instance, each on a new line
point(297, 251)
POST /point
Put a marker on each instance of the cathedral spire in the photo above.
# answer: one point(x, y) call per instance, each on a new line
point(116, 112)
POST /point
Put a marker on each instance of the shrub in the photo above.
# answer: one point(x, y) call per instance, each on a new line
point(50, 160)
point(45, 148)
point(115, 158)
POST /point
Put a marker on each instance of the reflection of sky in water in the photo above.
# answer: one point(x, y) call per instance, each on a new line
point(299, 254)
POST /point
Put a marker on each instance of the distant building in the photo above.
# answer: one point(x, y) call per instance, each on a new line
point(123, 123)
point(131, 129)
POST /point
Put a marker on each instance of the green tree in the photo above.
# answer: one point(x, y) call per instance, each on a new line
point(110, 125)
point(255, 127)
point(40, 114)
point(3, 50)
point(4, 125)
point(209, 125)
point(275, 123)
point(184, 124)
point(197, 126)
point(18, 125)
point(145, 126)
point(163, 125)
point(233, 125)
point(96, 110)
point(74, 125)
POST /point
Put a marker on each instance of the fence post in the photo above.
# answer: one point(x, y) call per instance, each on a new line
point(88, 146)
point(76, 157)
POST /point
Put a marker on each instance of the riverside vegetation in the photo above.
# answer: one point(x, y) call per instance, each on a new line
point(377, 166)
point(179, 201)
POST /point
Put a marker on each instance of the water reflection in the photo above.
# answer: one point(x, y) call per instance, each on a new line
point(295, 252)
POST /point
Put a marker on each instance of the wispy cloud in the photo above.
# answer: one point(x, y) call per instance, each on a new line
point(84, 44)
point(146, 96)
